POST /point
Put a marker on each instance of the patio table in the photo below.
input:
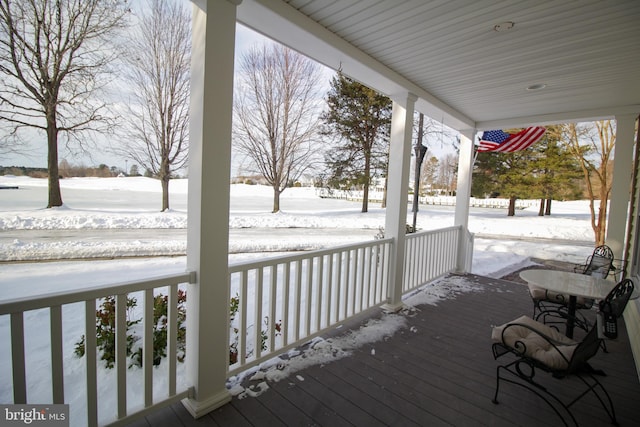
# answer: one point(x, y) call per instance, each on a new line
point(573, 284)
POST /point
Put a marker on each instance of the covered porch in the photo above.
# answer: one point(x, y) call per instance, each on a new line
point(474, 66)
point(436, 369)
point(435, 57)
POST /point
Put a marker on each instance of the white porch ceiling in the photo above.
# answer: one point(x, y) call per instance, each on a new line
point(586, 52)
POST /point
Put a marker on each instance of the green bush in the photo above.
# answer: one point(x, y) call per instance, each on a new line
point(234, 306)
point(106, 331)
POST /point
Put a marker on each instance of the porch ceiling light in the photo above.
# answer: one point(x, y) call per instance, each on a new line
point(503, 26)
point(537, 86)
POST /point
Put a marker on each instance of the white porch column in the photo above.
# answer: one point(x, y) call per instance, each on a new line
point(212, 72)
point(397, 194)
point(618, 223)
point(621, 186)
point(463, 193)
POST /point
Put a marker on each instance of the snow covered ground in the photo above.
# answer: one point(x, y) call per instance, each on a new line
point(129, 205)
point(95, 206)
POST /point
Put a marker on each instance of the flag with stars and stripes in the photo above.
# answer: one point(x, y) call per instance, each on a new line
point(497, 140)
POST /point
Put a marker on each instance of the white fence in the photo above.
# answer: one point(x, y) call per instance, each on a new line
point(377, 196)
point(276, 304)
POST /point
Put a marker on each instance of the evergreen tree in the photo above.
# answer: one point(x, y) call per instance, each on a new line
point(544, 171)
point(556, 171)
point(360, 119)
point(509, 175)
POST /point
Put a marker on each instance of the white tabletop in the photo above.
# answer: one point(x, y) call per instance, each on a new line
point(565, 282)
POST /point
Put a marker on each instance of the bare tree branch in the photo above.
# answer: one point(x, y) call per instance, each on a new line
point(276, 114)
point(54, 58)
point(157, 135)
point(593, 146)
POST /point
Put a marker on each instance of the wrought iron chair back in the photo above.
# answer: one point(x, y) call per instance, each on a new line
point(599, 263)
point(585, 350)
point(618, 298)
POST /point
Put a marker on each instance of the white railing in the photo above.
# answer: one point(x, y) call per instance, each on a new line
point(280, 303)
point(64, 314)
point(429, 255)
point(276, 304)
point(467, 251)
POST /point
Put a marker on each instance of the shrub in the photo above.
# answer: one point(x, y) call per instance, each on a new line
point(234, 306)
point(106, 331)
point(160, 332)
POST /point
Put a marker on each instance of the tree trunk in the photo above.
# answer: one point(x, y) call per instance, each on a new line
point(365, 198)
point(367, 181)
point(55, 196)
point(165, 176)
point(547, 210)
point(541, 210)
point(512, 206)
point(276, 199)
point(601, 223)
point(165, 192)
point(384, 194)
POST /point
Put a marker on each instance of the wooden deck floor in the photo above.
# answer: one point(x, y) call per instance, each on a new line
point(437, 370)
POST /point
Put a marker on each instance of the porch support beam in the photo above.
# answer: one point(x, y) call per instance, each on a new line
point(212, 69)
point(621, 219)
point(397, 191)
point(463, 194)
point(617, 221)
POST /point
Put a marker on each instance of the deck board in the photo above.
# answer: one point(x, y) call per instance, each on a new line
point(437, 370)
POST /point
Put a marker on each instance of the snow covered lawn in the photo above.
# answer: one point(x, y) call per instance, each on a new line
point(133, 203)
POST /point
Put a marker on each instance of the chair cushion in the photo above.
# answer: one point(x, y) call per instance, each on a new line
point(535, 346)
point(541, 294)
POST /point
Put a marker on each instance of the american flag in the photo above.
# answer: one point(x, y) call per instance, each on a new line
point(497, 140)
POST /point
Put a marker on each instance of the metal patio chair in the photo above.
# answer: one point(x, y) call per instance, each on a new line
point(540, 348)
point(551, 308)
point(599, 263)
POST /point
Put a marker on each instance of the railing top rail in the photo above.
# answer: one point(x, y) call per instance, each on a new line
point(241, 266)
point(436, 231)
point(67, 297)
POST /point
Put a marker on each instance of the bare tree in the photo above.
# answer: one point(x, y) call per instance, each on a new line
point(158, 118)
point(448, 172)
point(429, 174)
point(592, 144)
point(276, 116)
point(54, 56)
